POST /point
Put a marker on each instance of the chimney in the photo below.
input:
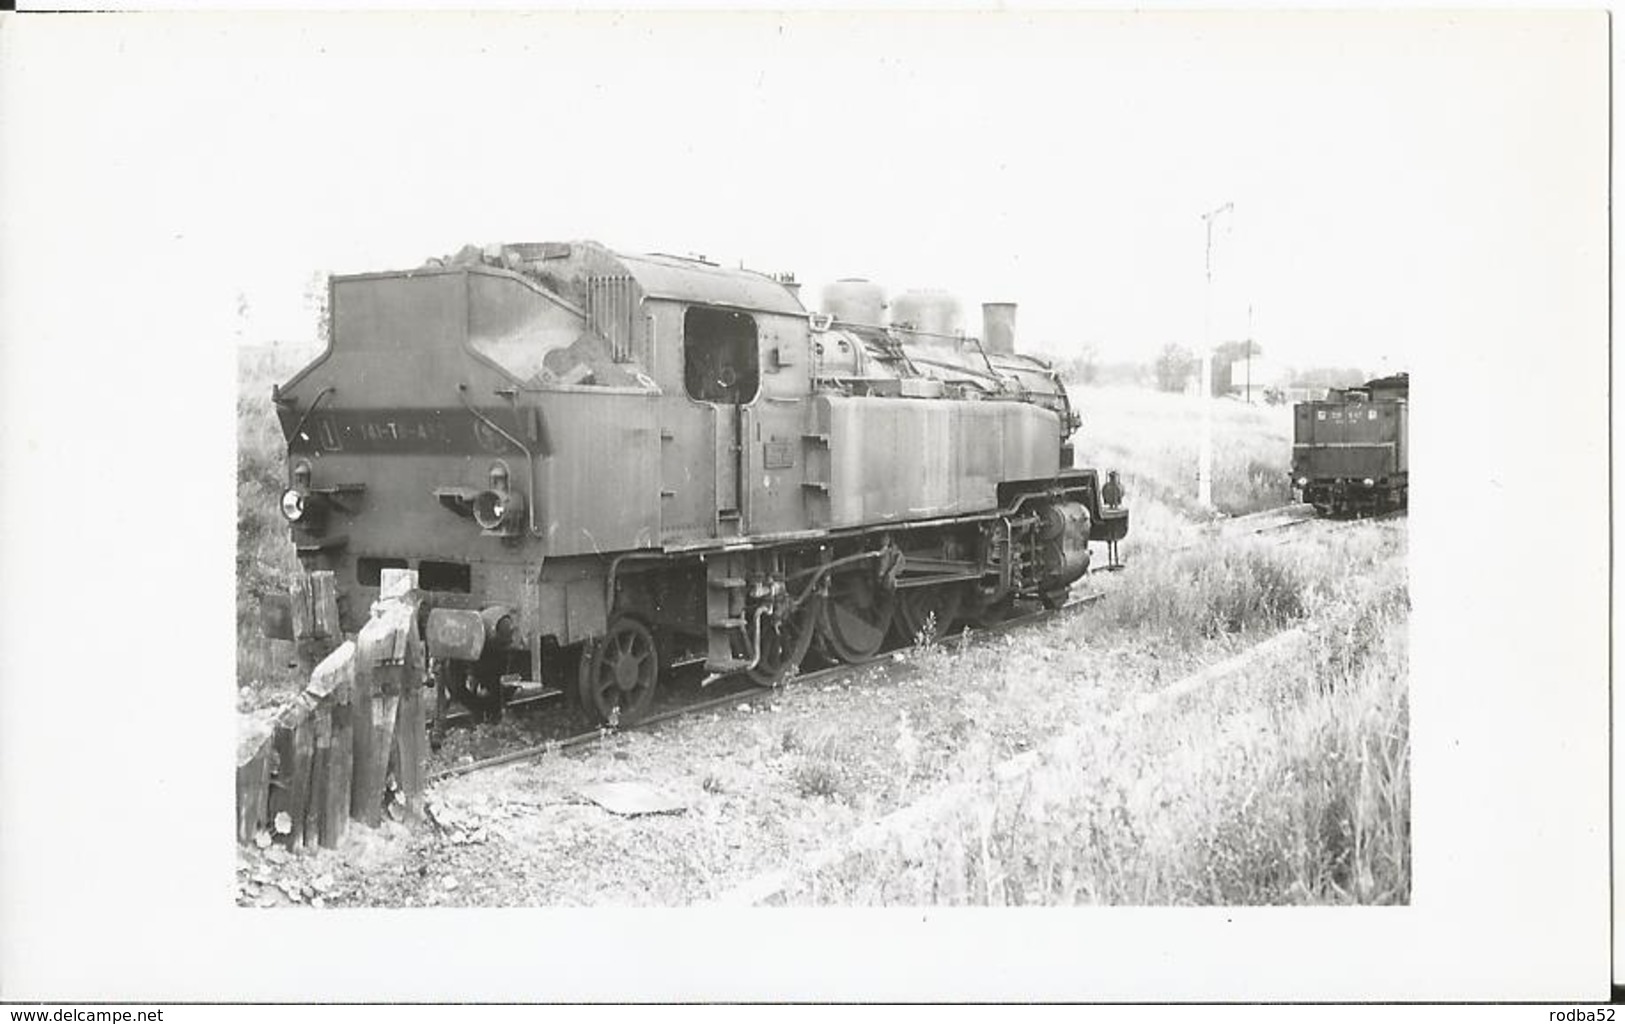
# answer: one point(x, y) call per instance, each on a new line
point(999, 328)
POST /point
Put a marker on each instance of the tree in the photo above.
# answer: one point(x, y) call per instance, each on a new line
point(1174, 367)
point(1089, 365)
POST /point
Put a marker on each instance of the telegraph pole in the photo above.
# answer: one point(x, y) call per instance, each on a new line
point(1249, 353)
point(1204, 461)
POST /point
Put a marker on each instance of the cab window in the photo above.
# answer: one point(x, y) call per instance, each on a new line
point(720, 355)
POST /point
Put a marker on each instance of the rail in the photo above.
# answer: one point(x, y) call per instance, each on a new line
point(820, 676)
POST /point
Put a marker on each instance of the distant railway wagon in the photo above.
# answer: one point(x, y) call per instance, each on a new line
point(1351, 451)
point(616, 462)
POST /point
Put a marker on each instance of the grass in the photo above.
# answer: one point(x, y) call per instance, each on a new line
point(818, 768)
point(1152, 438)
point(1285, 783)
point(265, 558)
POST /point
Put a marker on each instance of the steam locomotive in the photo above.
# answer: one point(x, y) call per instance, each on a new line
point(614, 462)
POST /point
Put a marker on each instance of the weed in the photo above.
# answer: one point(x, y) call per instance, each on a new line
point(818, 755)
point(926, 636)
point(817, 776)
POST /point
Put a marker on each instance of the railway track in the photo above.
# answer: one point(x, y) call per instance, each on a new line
point(1329, 523)
point(1266, 521)
point(1272, 523)
point(747, 695)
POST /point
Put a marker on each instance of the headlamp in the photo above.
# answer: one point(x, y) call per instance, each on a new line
point(498, 512)
point(293, 505)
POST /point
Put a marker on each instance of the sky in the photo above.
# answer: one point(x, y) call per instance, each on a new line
point(1061, 161)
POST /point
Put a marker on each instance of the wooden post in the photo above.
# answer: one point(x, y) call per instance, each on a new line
point(384, 675)
point(361, 737)
point(385, 706)
point(332, 685)
point(304, 751)
point(304, 625)
point(316, 631)
point(336, 811)
point(411, 734)
point(321, 719)
point(253, 781)
point(367, 785)
point(291, 781)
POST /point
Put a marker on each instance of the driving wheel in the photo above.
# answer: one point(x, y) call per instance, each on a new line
point(857, 614)
point(926, 614)
point(618, 673)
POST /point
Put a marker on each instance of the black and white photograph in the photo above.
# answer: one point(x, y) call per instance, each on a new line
point(925, 493)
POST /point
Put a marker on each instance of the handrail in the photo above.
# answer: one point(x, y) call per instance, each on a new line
point(323, 393)
point(530, 460)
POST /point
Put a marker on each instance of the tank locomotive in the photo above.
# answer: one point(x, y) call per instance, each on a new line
point(611, 462)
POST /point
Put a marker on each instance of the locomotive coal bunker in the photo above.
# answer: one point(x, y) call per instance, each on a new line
point(653, 458)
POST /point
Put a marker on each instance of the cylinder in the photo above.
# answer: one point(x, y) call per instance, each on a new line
point(999, 328)
point(854, 300)
point(929, 311)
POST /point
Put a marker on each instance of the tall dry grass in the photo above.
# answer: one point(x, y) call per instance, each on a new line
point(266, 562)
point(1287, 782)
point(1153, 439)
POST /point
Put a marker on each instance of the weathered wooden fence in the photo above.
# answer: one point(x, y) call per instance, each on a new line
point(354, 738)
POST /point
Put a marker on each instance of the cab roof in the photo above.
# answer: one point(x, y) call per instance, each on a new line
point(691, 280)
